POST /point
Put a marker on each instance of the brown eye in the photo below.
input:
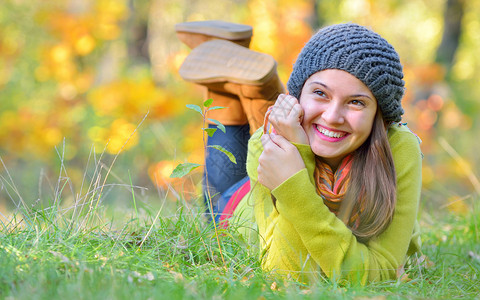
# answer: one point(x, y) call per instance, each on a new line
point(358, 102)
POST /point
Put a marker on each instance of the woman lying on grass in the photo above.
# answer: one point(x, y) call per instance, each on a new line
point(333, 175)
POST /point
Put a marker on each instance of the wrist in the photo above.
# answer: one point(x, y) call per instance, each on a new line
point(300, 139)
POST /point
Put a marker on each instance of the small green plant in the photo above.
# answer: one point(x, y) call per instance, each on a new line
point(185, 168)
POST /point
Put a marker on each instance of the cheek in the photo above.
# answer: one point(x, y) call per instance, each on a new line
point(364, 125)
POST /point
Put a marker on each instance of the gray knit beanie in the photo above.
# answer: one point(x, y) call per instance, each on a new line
point(360, 52)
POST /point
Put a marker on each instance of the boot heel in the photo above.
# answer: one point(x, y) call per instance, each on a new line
point(198, 32)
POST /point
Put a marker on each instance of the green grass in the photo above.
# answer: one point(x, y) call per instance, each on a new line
point(75, 247)
point(178, 257)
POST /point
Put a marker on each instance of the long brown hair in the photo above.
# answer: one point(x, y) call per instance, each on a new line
point(372, 190)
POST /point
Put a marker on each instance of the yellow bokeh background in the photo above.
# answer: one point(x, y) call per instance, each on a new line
point(87, 80)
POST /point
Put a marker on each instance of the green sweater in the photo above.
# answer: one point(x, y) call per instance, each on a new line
point(303, 239)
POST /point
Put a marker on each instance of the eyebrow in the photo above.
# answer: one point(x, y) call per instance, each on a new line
point(353, 96)
point(320, 83)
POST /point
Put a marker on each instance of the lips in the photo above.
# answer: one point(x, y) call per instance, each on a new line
point(330, 133)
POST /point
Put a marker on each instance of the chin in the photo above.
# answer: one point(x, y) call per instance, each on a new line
point(317, 150)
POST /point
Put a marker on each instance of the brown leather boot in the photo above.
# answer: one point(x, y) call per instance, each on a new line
point(195, 33)
point(225, 67)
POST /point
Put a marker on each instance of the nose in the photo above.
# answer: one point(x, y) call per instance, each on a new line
point(334, 113)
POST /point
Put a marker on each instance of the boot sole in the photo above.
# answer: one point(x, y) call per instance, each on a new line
point(219, 61)
point(220, 29)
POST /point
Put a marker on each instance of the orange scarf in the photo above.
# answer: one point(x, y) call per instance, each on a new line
point(331, 186)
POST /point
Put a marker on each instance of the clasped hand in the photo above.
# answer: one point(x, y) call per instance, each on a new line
point(286, 117)
point(280, 159)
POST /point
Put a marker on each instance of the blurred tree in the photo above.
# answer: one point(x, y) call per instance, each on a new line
point(137, 31)
point(316, 19)
point(452, 29)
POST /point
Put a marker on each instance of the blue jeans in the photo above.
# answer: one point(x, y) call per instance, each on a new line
point(222, 177)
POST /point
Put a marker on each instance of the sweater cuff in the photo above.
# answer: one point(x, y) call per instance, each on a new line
point(308, 158)
point(305, 151)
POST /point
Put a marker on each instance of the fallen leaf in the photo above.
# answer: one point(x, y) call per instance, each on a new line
point(474, 256)
point(177, 277)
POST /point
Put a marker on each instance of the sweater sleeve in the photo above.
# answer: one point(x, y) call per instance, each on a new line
point(263, 204)
point(328, 241)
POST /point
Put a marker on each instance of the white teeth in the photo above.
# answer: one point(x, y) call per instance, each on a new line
point(329, 133)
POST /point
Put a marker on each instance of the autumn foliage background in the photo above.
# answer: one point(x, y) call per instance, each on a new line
point(82, 81)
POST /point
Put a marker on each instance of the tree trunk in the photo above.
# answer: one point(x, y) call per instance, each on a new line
point(315, 20)
point(453, 15)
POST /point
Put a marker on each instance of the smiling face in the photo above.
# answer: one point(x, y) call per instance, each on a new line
point(339, 113)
